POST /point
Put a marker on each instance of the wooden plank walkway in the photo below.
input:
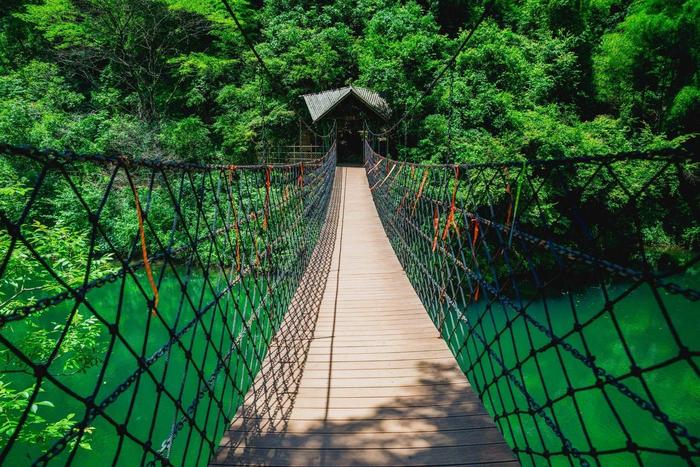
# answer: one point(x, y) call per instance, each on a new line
point(372, 384)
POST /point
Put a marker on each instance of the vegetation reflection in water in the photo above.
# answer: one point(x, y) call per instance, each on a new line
point(141, 403)
point(674, 387)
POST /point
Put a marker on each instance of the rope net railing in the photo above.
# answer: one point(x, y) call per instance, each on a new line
point(568, 292)
point(267, 410)
point(138, 299)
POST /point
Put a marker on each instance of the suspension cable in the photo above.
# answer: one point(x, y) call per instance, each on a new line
point(320, 135)
point(248, 42)
point(263, 139)
point(450, 63)
point(450, 102)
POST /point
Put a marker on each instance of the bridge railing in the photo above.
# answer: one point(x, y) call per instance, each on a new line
point(568, 292)
point(138, 298)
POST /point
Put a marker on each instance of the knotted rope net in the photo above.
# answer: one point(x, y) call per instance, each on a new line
point(138, 299)
point(568, 292)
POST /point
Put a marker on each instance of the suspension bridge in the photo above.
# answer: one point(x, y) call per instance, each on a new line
point(521, 311)
point(390, 314)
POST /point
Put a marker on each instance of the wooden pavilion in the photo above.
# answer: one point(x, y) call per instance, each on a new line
point(348, 108)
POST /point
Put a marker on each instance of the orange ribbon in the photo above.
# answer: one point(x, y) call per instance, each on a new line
point(474, 239)
point(403, 198)
point(476, 233)
point(396, 177)
point(509, 213)
point(450, 222)
point(420, 191)
point(376, 165)
point(381, 182)
point(144, 250)
point(436, 226)
point(254, 218)
point(257, 253)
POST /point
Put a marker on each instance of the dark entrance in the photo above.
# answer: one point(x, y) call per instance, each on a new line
point(350, 142)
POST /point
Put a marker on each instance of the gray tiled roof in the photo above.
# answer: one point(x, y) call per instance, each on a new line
point(321, 103)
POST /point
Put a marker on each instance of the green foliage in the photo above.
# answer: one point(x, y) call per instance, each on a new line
point(188, 139)
point(400, 52)
point(645, 65)
point(36, 105)
point(39, 430)
point(174, 79)
point(684, 111)
point(308, 56)
point(80, 343)
point(60, 22)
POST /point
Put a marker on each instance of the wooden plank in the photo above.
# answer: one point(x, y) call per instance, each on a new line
point(385, 330)
point(324, 371)
point(360, 341)
point(344, 406)
point(377, 386)
point(466, 437)
point(413, 372)
point(351, 414)
point(349, 426)
point(377, 357)
point(463, 399)
point(433, 456)
point(386, 392)
point(390, 382)
point(378, 364)
point(458, 399)
point(399, 313)
point(376, 346)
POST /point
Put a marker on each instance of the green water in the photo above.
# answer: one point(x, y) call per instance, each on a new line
point(147, 417)
point(143, 413)
point(674, 386)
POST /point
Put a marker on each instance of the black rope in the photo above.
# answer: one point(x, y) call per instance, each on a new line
point(249, 43)
point(184, 304)
point(490, 249)
point(450, 122)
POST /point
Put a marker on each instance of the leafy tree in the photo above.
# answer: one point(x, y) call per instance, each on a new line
point(187, 139)
point(647, 68)
point(36, 105)
point(400, 52)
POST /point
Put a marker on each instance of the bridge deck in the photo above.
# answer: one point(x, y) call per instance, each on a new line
point(373, 384)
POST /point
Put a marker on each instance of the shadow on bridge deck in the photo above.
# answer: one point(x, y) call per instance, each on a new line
point(358, 375)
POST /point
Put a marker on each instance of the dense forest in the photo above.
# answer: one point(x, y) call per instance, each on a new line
point(175, 79)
